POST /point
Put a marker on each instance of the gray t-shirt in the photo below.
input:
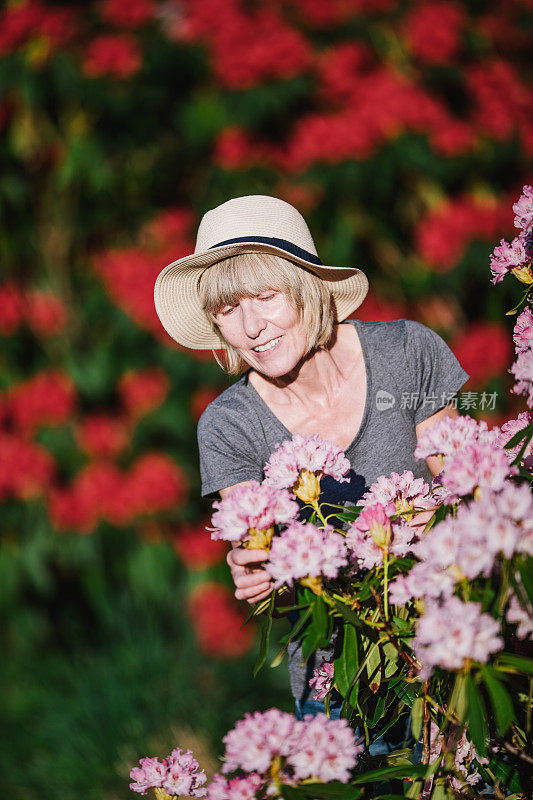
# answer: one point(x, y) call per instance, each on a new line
point(410, 373)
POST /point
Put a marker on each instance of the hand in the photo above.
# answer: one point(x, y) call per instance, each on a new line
point(252, 582)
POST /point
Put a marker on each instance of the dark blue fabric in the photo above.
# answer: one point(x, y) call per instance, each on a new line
point(283, 244)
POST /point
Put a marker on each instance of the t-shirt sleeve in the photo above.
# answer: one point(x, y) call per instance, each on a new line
point(227, 452)
point(436, 373)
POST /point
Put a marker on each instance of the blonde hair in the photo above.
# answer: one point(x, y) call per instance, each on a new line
point(249, 274)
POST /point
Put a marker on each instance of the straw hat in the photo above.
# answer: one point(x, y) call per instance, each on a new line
point(253, 223)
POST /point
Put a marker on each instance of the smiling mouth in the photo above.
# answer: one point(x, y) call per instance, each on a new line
point(262, 347)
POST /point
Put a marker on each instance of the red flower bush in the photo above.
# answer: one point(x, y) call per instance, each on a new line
point(484, 350)
point(443, 235)
point(115, 55)
point(45, 313)
point(26, 468)
point(433, 31)
point(196, 548)
point(127, 13)
point(102, 435)
point(142, 391)
point(102, 491)
point(376, 309)
point(48, 398)
point(217, 622)
point(11, 308)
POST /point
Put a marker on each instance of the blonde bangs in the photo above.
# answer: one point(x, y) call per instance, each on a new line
point(250, 274)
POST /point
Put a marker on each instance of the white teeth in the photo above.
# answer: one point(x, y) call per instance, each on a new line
point(262, 347)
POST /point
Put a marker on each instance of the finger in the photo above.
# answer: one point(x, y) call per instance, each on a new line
point(249, 581)
point(254, 593)
point(241, 556)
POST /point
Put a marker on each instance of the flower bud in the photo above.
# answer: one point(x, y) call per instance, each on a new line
point(307, 487)
point(259, 539)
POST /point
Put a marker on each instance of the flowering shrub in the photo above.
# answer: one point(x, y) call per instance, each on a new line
point(431, 618)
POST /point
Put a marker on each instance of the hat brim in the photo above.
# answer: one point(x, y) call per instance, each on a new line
point(177, 299)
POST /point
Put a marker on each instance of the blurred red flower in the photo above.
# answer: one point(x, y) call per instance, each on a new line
point(201, 398)
point(433, 30)
point(502, 102)
point(156, 483)
point(217, 622)
point(11, 308)
point(196, 548)
point(443, 235)
point(117, 55)
point(47, 398)
point(376, 309)
point(102, 435)
point(143, 390)
point(127, 13)
point(26, 468)
point(484, 350)
point(45, 313)
point(169, 226)
point(17, 22)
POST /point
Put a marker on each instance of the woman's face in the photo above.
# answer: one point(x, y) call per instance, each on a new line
point(266, 331)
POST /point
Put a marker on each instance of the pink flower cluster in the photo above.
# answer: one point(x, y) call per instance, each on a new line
point(516, 257)
point(305, 452)
point(510, 429)
point(464, 758)
point(477, 466)
point(239, 788)
point(452, 632)
point(522, 369)
point(178, 775)
point(315, 748)
point(303, 550)
point(372, 532)
point(449, 436)
point(409, 494)
point(254, 505)
point(322, 679)
point(520, 616)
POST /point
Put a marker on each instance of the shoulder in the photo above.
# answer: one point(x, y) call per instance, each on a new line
point(230, 408)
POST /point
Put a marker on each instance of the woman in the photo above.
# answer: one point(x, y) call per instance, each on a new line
point(256, 289)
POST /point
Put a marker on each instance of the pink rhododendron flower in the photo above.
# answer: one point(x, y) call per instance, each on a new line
point(322, 679)
point(303, 551)
point(451, 632)
point(522, 369)
point(406, 492)
point(323, 751)
point(151, 773)
point(240, 788)
point(309, 454)
point(523, 617)
point(450, 434)
point(424, 580)
point(523, 209)
point(507, 257)
point(477, 465)
point(373, 532)
point(183, 777)
point(523, 331)
point(315, 748)
point(255, 505)
point(465, 756)
point(510, 429)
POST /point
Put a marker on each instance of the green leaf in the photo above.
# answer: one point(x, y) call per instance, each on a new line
point(517, 438)
point(330, 791)
point(417, 715)
point(265, 635)
point(347, 663)
point(292, 792)
point(351, 616)
point(457, 702)
point(499, 697)
point(525, 569)
point(403, 771)
point(508, 662)
point(476, 717)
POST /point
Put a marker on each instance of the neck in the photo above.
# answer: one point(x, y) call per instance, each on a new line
point(317, 378)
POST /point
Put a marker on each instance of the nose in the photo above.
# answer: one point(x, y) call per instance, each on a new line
point(252, 319)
